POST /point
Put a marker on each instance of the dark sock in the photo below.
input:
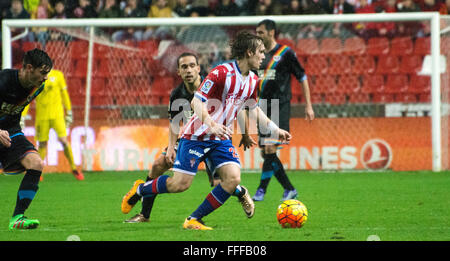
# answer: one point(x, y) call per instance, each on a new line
point(280, 174)
point(147, 203)
point(27, 190)
point(267, 171)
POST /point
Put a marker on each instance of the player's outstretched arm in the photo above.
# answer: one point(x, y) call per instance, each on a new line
point(263, 120)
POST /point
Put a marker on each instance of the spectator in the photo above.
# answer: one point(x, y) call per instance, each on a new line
point(293, 8)
point(43, 11)
point(409, 28)
point(447, 6)
point(109, 10)
point(85, 9)
point(183, 8)
point(268, 7)
point(60, 10)
point(433, 6)
point(367, 29)
point(408, 6)
point(16, 11)
point(132, 9)
point(227, 8)
point(387, 29)
point(31, 6)
point(160, 9)
point(59, 13)
point(201, 7)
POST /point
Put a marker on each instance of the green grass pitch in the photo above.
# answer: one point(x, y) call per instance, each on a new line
point(392, 206)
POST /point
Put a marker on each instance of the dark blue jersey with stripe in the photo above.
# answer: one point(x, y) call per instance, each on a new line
point(275, 73)
point(13, 99)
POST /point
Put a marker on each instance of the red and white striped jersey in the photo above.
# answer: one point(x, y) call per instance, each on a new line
point(226, 91)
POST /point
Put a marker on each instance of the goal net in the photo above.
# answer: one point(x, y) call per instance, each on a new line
point(370, 78)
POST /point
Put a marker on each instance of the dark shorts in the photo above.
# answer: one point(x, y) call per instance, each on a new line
point(283, 123)
point(10, 157)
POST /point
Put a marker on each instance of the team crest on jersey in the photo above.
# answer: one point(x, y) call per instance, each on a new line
point(207, 86)
point(277, 58)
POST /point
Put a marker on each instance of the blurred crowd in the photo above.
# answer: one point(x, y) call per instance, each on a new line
point(39, 9)
point(61, 9)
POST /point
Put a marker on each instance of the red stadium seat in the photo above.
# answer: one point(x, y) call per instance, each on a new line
point(410, 64)
point(108, 67)
point(75, 86)
point(80, 68)
point(101, 51)
point(378, 46)
point(422, 46)
point(340, 65)
point(420, 84)
point(364, 64)
point(132, 67)
point(324, 84)
point(149, 47)
point(445, 45)
point(402, 46)
point(359, 98)
point(316, 65)
point(101, 100)
point(354, 46)
point(315, 98)
point(330, 46)
point(56, 50)
point(117, 86)
point(78, 49)
point(425, 97)
point(162, 86)
point(307, 47)
point(296, 87)
point(388, 64)
point(335, 98)
point(98, 86)
point(27, 46)
point(383, 98)
point(405, 97)
point(348, 84)
point(287, 41)
point(373, 83)
point(396, 83)
point(67, 66)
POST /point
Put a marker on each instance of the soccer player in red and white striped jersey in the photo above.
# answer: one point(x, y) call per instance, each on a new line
point(226, 90)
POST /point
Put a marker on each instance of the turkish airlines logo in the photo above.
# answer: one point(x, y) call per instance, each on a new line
point(376, 154)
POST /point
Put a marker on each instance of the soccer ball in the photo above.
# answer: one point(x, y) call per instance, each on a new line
point(292, 214)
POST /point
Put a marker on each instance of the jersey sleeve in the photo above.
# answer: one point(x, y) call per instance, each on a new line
point(296, 68)
point(212, 86)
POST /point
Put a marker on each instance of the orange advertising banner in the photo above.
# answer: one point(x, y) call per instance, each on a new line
point(399, 144)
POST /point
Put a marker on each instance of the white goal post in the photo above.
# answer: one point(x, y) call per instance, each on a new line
point(432, 17)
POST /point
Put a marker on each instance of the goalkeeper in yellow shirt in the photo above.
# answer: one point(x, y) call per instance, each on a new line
point(50, 105)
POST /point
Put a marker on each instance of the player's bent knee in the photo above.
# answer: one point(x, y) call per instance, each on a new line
point(33, 161)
